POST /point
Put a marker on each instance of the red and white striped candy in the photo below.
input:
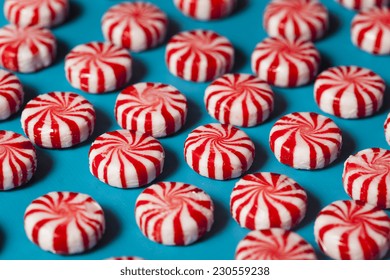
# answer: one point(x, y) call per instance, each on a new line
point(173, 213)
point(219, 151)
point(366, 177)
point(305, 140)
point(42, 13)
point(11, 94)
point(206, 9)
point(268, 200)
point(239, 99)
point(98, 67)
point(363, 4)
point(199, 55)
point(152, 108)
point(349, 92)
point(26, 49)
point(387, 129)
point(349, 230)
point(285, 63)
point(126, 159)
point(136, 26)
point(371, 31)
point(274, 244)
point(296, 19)
point(58, 120)
point(125, 258)
point(18, 160)
point(64, 222)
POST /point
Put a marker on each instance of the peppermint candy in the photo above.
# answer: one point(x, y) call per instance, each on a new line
point(64, 222)
point(199, 55)
point(98, 67)
point(239, 99)
point(206, 9)
point(274, 244)
point(42, 13)
point(18, 160)
point(219, 151)
point(371, 31)
point(26, 49)
point(136, 26)
point(126, 159)
point(296, 19)
point(11, 94)
point(366, 177)
point(153, 108)
point(349, 230)
point(58, 120)
point(349, 92)
point(387, 129)
point(363, 4)
point(268, 200)
point(305, 140)
point(174, 213)
point(285, 63)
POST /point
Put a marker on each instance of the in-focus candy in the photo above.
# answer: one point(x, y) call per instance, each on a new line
point(349, 230)
point(206, 9)
point(135, 25)
point(126, 159)
point(296, 19)
point(349, 92)
point(363, 4)
point(199, 55)
point(268, 200)
point(239, 99)
point(305, 140)
point(98, 67)
point(11, 94)
point(58, 120)
point(26, 49)
point(64, 222)
point(366, 177)
point(371, 31)
point(173, 213)
point(285, 63)
point(153, 108)
point(42, 13)
point(274, 244)
point(18, 160)
point(219, 151)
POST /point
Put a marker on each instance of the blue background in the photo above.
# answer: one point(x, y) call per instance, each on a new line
point(67, 170)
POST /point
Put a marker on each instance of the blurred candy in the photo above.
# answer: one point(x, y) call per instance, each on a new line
point(11, 94)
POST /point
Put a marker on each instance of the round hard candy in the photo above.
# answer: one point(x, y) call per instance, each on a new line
point(206, 9)
point(199, 55)
point(135, 25)
point(363, 4)
point(11, 94)
point(174, 213)
point(153, 108)
point(239, 99)
point(305, 140)
point(285, 63)
point(98, 67)
point(349, 230)
point(126, 159)
point(58, 120)
point(219, 151)
point(18, 160)
point(64, 222)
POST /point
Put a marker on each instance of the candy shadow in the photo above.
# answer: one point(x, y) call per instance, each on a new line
point(313, 208)
point(62, 50)
point(326, 63)
point(173, 29)
point(44, 166)
point(113, 229)
point(103, 124)
point(139, 71)
point(240, 60)
point(221, 219)
point(241, 6)
point(171, 164)
point(280, 107)
point(347, 149)
point(75, 11)
point(260, 159)
point(194, 115)
point(334, 26)
point(386, 101)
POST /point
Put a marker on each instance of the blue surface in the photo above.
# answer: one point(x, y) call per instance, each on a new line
point(67, 170)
